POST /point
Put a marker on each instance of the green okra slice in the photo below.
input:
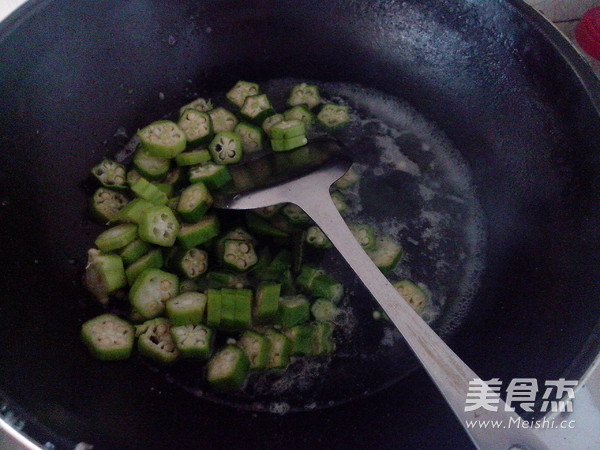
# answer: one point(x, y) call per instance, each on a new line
point(151, 260)
point(193, 157)
point(333, 117)
point(279, 350)
point(252, 137)
point(266, 303)
point(104, 274)
point(288, 129)
point(190, 263)
point(323, 286)
point(301, 338)
point(151, 290)
point(190, 286)
point(186, 309)
point(132, 177)
point(146, 190)
point(284, 145)
point(260, 226)
point(306, 277)
point(387, 253)
point(192, 235)
point(212, 175)
point(243, 309)
point(133, 211)
point(238, 234)
point(134, 251)
point(413, 294)
point(339, 201)
point(106, 205)
point(158, 225)
point(213, 308)
point(348, 180)
point(242, 89)
point(304, 94)
point(149, 166)
point(270, 121)
point(200, 104)
point(238, 255)
point(222, 120)
point(116, 237)
point(196, 125)
point(256, 349)
point(166, 188)
point(293, 310)
point(324, 310)
point(226, 148)
point(288, 286)
point(316, 238)
point(194, 201)
point(163, 139)
point(228, 303)
point(108, 337)
point(155, 341)
point(301, 113)
point(365, 236)
point(257, 108)
point(295, 215)
point(281, 262)
point(193, 341)
point(218, 280)
point(227, 369)
point(322, 341)
point(110, 175)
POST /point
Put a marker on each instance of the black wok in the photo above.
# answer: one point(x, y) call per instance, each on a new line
point(500, 82)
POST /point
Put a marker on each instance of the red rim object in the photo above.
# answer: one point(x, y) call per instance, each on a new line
point(587, 32)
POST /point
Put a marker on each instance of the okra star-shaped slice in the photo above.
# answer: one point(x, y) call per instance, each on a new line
point(226, 148)
point(108, 337)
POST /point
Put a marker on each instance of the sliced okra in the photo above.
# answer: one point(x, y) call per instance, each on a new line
point(326, 287)
point(288, 129)
point(218, 280)
point(238, 234)
point(186, 309)
point(193, 157)
point(324, 310)
point(193, 341)
point(295, 215)
point(194, 201)
point(212, 175)
point(189, 286)
point(264, 259)
point(348, 180)
point(413, 294)
point(192, 235)
point(260, 226)
point(365, 236)
point(243, 309)
point(110, 174)
point(133, 211)
point(166, 188)
point(159, 226)
point(163, 139)
point(213, 308)
point(227, 369)
point(116, 237)
point(322, 341)
point(252, 137)
point(316, 238)
point(293, 310)
point(151, 290)
point(304, 94)
point(151, 260)
point(191, 263)
point(256, 348)
point(284, 145)
point(300, 113)
point(226, 148)
point(106, 205)
point(281, 262)
point(306, 277)
point(279, 351)
point(155, 341)
point(132, 177)
point(301, 338)
point(196, 125)
point(146, 190)
point(149, 166)
point(134, 251)
point(200, 104)
point(242, 89)
point(333, 117)
point(228, 305)
point(108, 337)
point(266, 303)
point(104, 274)
point(288, 285)
point(222, 120)
point(270, 121)
point(386, 254)
point(339, 202)
point(257, 108)
point(238, 255)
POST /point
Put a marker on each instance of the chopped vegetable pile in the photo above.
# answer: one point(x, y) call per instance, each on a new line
point(192, 277)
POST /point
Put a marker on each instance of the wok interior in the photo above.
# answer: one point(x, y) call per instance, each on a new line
point(499, 91)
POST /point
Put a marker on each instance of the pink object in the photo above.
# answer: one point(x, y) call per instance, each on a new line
point(587, 32)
